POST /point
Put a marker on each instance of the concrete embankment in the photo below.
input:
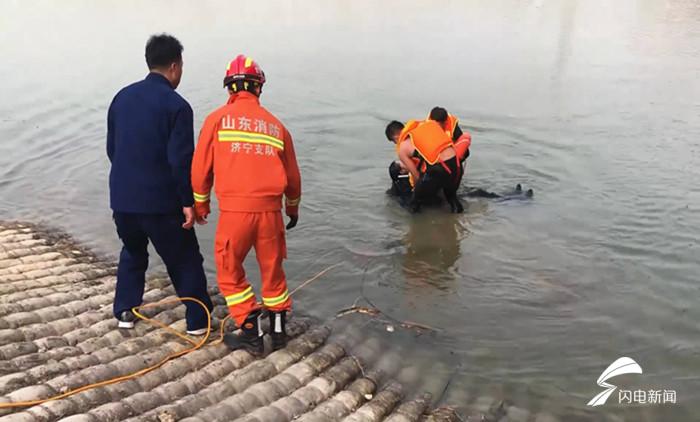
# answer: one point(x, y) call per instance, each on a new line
point(57, 334)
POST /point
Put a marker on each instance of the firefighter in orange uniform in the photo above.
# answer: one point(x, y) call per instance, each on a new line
point(248, 157)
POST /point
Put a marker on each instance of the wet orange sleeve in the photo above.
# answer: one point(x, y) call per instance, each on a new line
point(462, 145)
point(293, 190)
point(203, 166)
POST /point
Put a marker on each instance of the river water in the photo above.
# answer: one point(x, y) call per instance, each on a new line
point(593, 104)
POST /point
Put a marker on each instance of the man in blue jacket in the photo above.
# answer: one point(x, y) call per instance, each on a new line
point(150, 142)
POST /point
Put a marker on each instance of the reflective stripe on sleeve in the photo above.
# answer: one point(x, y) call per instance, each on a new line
point(293, 202)
point(199, 197)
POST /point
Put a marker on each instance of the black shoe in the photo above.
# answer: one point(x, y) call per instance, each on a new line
point(250, 338)
point(126, 320)
point(278, 329)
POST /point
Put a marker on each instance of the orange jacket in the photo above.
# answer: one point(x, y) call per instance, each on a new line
point(252, 156)
point(428, 138)
point(463, 143)
point(451, 125)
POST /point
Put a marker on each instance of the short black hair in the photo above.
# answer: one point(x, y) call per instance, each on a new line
point(438, 114)
point(162, 50)
point(392, 128)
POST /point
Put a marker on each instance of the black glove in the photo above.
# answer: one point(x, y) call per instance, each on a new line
point(292, 221)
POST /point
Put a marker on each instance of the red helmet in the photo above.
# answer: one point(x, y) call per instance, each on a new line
point(243, 68)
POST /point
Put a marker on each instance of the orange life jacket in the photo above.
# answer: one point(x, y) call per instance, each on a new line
point(451, 125)
point(464, 142)
point(462, 145)
point(427, 137)
point(452, 121)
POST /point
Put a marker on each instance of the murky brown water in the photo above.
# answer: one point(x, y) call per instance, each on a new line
point(594, 104)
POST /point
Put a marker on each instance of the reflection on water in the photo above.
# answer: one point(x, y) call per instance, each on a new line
point(594, 104)
point(432, 248)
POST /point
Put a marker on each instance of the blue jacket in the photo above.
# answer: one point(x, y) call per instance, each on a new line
point(150, 142)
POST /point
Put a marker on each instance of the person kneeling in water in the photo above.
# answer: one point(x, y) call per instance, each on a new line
point(402, 183)
point(450, 124)
point(429, 143)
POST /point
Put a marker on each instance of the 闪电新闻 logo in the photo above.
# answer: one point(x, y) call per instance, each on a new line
point(622, 366)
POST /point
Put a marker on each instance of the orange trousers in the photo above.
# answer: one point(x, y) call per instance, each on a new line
point(236, 234)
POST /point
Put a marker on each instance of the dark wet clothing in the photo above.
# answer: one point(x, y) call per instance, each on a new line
point(400, 185)
point(433, 180)
point(442, 176)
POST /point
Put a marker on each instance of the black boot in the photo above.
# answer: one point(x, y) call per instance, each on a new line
point(250, 338)
point(278, 329)
point(456, 206)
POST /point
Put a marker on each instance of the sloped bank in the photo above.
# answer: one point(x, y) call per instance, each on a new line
point(57, 334)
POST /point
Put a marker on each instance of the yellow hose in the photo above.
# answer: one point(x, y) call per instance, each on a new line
point(195, 345)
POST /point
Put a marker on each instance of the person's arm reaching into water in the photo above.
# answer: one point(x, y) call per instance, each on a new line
point(406, 157)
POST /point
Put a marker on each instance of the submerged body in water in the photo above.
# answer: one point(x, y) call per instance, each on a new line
point(517, 193)
point(401, 189)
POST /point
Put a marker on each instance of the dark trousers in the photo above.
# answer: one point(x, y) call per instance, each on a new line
point(179, 250)
point(435, 179)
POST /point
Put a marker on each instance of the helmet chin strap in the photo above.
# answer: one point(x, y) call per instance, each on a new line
point(248, 86)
